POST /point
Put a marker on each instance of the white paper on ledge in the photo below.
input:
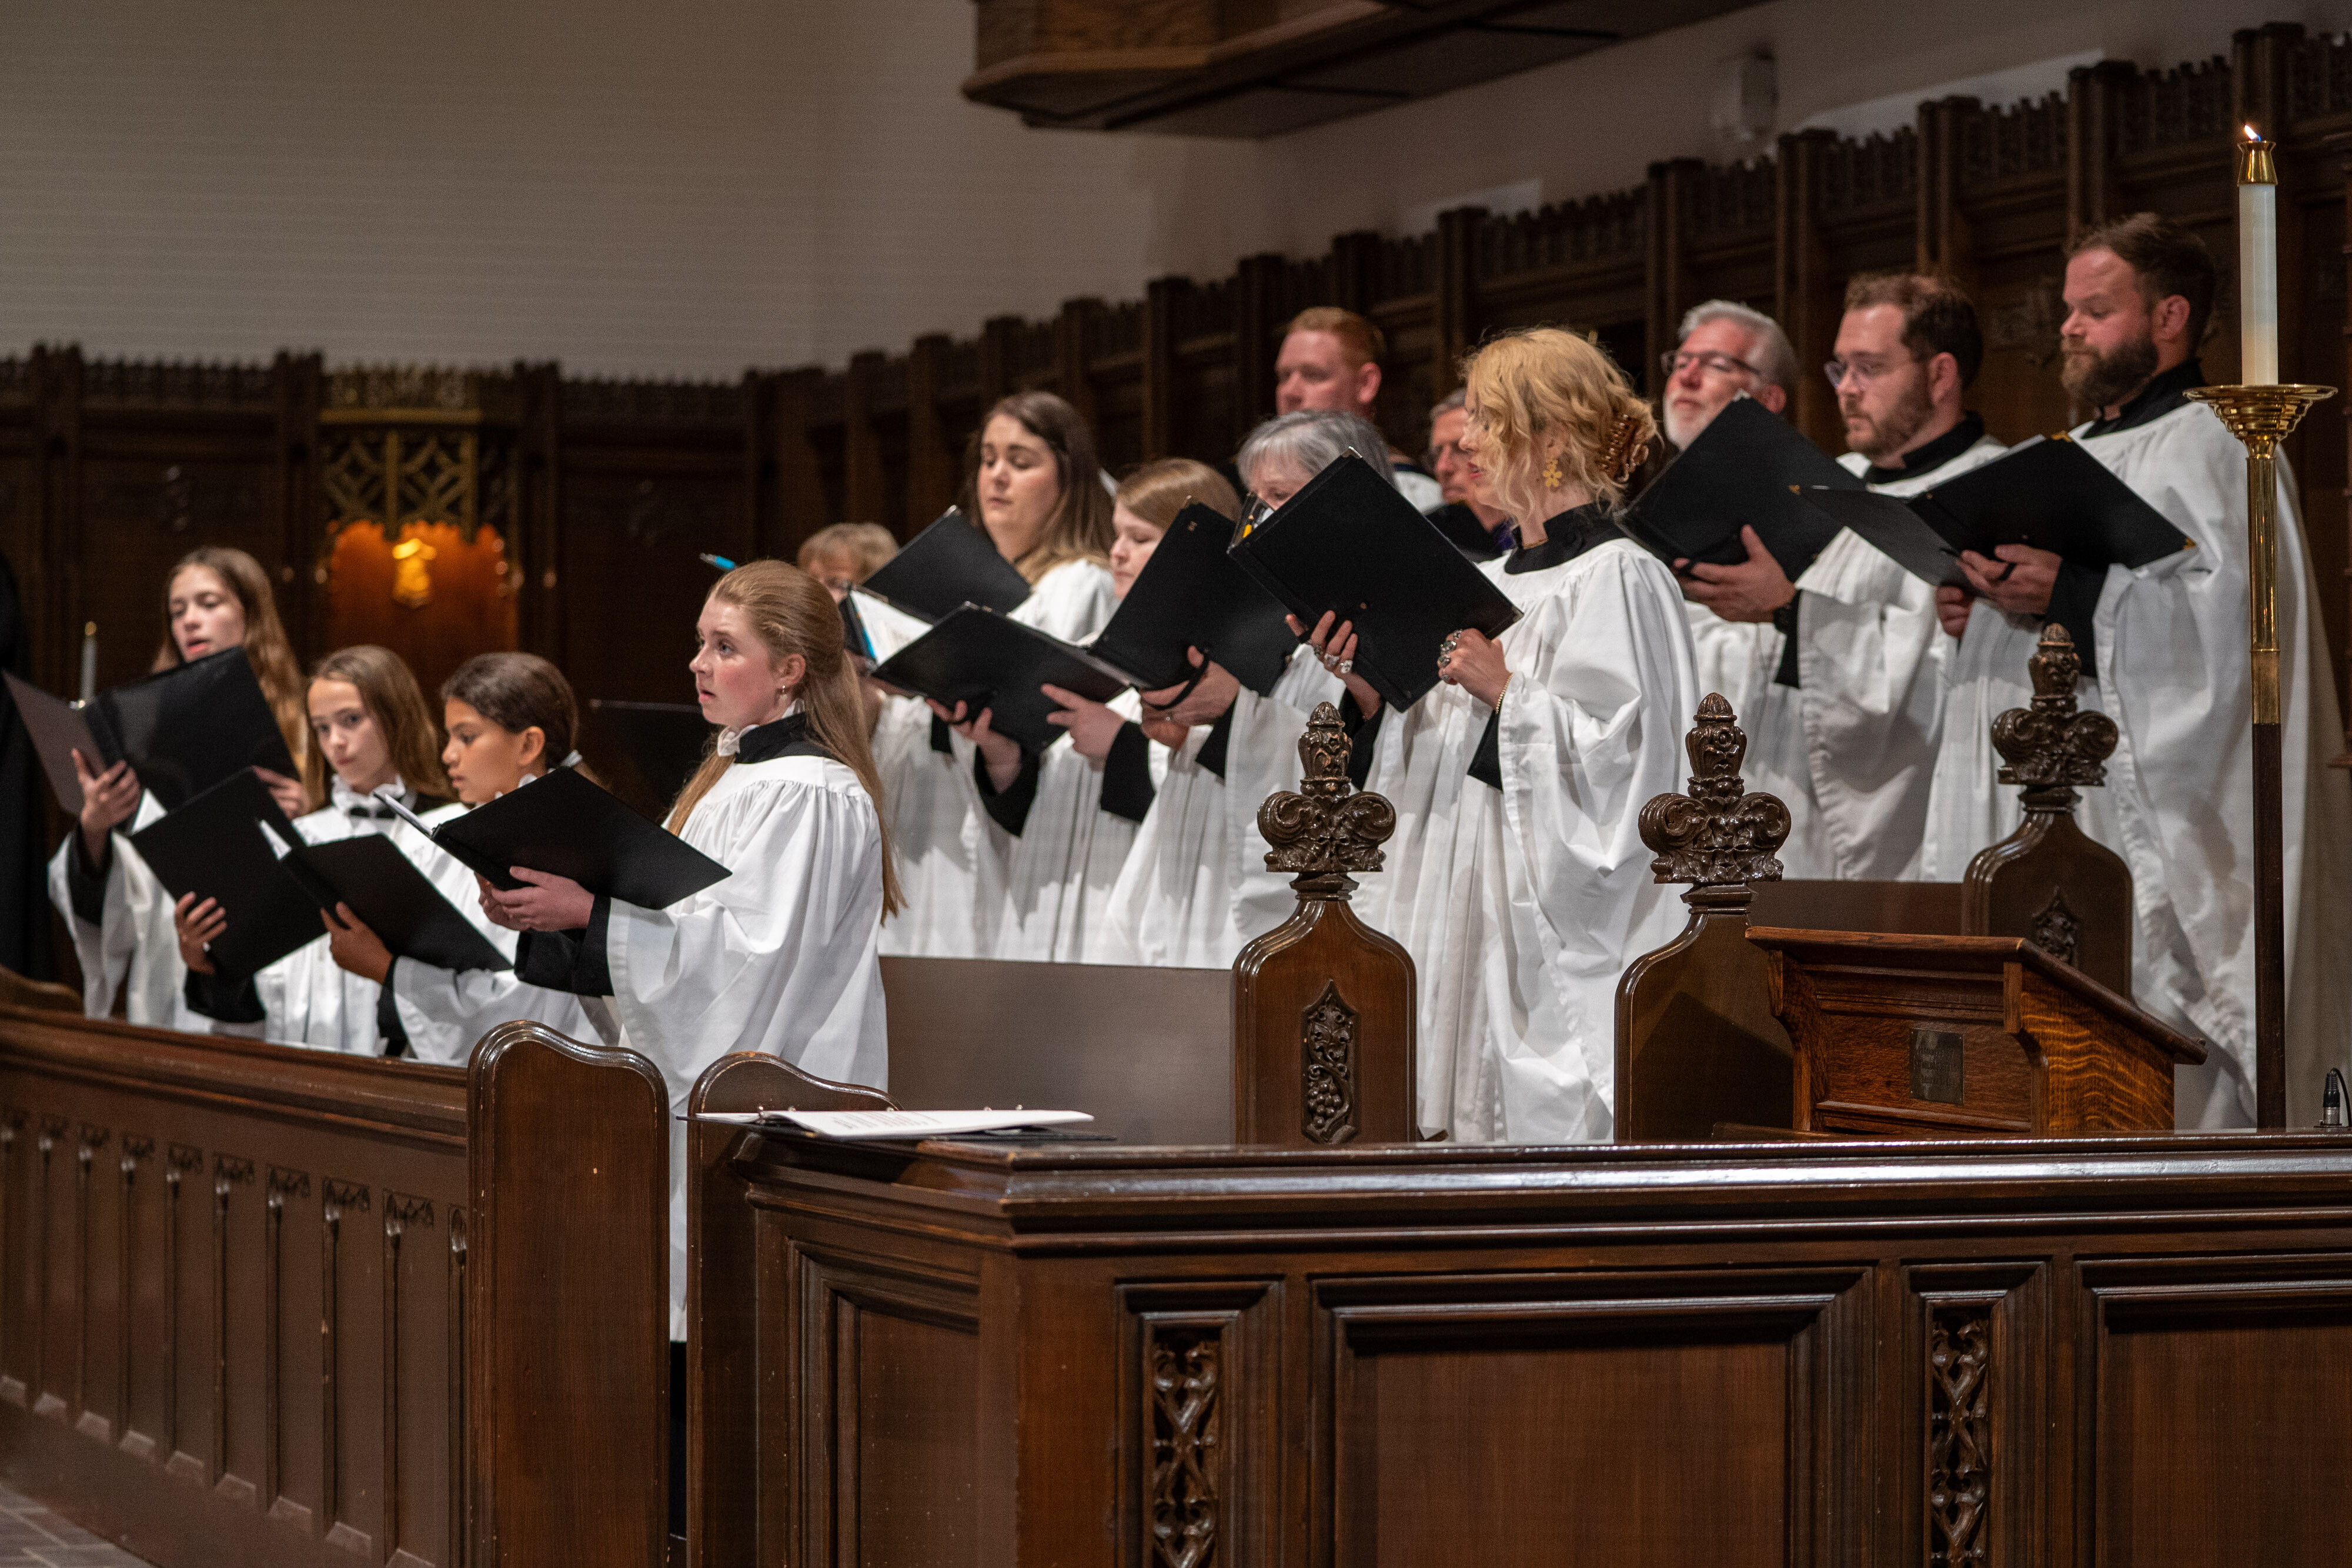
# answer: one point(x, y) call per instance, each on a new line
point(896, 1124)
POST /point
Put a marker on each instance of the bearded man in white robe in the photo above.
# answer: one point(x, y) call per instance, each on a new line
point(2166, 657)
point(1838, 676)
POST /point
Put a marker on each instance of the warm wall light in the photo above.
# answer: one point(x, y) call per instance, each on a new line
point(412, 581)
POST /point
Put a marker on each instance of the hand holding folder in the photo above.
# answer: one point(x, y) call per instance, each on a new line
point(183, 730)
point(562, 825)
point(1748, 468)
point(985, 660)
point(1191, 594)
point(382, 887)
point(225, 846)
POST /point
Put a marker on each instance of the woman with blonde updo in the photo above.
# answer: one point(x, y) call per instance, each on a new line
point(1516, 877)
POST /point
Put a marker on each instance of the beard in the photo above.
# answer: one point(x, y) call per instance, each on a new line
point(2102, 381)
point(1887, 436)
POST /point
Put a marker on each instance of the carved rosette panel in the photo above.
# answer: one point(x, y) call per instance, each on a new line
point(1327, 1067)
point(1959, 1435)
point(2057, 929)
point(1184, 1382)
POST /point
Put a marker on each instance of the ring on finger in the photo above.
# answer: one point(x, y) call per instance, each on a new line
point(1346, 666)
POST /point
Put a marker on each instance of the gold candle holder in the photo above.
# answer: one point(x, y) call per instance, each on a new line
point(2262, 416)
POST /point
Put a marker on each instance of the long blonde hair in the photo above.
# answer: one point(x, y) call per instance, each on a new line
point(1544, 394)
point(267, 647)
point(389, 692)
point(791, 612)
point(1080, 527)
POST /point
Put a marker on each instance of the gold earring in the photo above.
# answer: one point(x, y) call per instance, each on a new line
point(1552, 476)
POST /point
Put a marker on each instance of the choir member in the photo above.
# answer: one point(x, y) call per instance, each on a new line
point(1196, 887)
point(781, 955)
point(1482, 533)
point(1029, 485)
point(1844, 669)
point(2164, 654)
point(509, 718)
point(1516, 877)
point(370, 733)
point(1331, 361)
point(844, 555)
point(122, 919)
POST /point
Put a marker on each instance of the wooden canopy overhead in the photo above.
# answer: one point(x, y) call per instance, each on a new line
point(1258, 67)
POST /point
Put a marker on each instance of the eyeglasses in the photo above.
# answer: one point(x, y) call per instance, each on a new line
point(1862, 372)
point(1677, 361)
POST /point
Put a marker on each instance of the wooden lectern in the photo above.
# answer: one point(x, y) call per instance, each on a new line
point(1944, 1035)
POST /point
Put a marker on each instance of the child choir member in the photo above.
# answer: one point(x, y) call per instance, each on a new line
point(974, 886)
point(1516, 877)
point(370, 733)
point(121, 918)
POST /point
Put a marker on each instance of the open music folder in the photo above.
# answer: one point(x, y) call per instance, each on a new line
point(225, 846)
point(951, 563)
point(183, 729)
point(1190, 594)
point(1349, 543)
point(985, 660)
point(561, 824)
point(1749, 467)
point(383, 887)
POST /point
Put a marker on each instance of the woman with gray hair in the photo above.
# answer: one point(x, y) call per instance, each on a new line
point(1195, 886)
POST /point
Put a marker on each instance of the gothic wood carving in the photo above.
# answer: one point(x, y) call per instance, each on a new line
point(1959, 1435)
point(1718, 835)
point(1184, 1372)
point(2050, 747)
point(2057, 930)
point(1324, 830)
point(1328, 1067)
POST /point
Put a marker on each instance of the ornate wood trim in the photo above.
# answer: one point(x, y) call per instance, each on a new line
point(1959, 1435)
point(1327, 1067)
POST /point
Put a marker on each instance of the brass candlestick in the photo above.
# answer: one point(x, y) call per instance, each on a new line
point(2263, 416)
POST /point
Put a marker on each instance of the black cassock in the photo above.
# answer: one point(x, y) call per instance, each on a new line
point(23, 805)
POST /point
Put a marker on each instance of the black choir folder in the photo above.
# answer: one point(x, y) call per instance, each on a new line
point(392, 898)
point(183, 729)
point(666, 741)
point(951, 563)
point(561, 824)
point(2051, 495)
point(1349, 544)
point(1749, 467)
point(1191, 594)
point(225, 846)
point(984, 660)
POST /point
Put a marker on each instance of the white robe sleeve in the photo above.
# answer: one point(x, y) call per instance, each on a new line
point(133, 950)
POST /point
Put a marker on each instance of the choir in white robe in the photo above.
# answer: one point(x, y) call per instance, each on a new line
point(1851, 748)
point(131, 949)
point(1061, 867)
point(2170, 641)
point(1195, 888)
point(1521, 906)
point(780, 957)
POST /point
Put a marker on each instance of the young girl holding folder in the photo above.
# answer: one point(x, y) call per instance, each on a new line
point(370, 732)
point(781, 955)
point(510, 718)
point(121, 918)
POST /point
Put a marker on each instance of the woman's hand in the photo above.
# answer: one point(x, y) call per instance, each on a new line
point(1206, 703)
point(196, 925)
point(544, 904)
point(1336, 646)
point(355, 948)
point(108, 800)
point(291, 797)
point(1000, 754)
point(1475, 664)
point(1092, 726)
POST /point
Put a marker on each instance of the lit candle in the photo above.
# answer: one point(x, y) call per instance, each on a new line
point(88, 660)
point(2257, 262)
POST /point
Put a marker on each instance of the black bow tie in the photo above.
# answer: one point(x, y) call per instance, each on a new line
point(385, 812)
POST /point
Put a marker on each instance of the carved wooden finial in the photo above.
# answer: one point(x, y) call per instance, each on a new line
point(1718, 835)
point(1325, 829)
point(2050, 747)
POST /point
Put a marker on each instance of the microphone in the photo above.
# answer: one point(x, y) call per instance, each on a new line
point(2331, 1099)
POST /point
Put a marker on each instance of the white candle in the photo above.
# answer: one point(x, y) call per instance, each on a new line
point(2257, 262)
point(88, 660)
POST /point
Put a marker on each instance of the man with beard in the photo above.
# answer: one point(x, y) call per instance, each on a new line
point(1480, 532)
point(1841, 670)
point(2164, 652)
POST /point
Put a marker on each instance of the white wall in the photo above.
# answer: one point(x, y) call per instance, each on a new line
point(688, 187)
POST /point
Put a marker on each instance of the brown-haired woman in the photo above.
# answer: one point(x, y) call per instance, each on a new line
point(1517, 878)
point(371, 734)
point(780, 957)
point(1032, 485)
point(214, 599)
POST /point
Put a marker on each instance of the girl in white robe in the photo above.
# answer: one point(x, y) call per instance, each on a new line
point(119, 915)
point(508, 717)
point(781, 955)
point(1516, 877)
point(371, 734)
point(975, 888)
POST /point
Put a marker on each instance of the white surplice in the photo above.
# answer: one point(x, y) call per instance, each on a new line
point(1061, 868)
point(780, 957)
point(1851, 749)
point(133, 950)
point(1521, 906)
point(2172, 651)
point(1195, 888)
point(954, 864)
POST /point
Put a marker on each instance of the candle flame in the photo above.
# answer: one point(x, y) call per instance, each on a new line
point(2252, 134)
